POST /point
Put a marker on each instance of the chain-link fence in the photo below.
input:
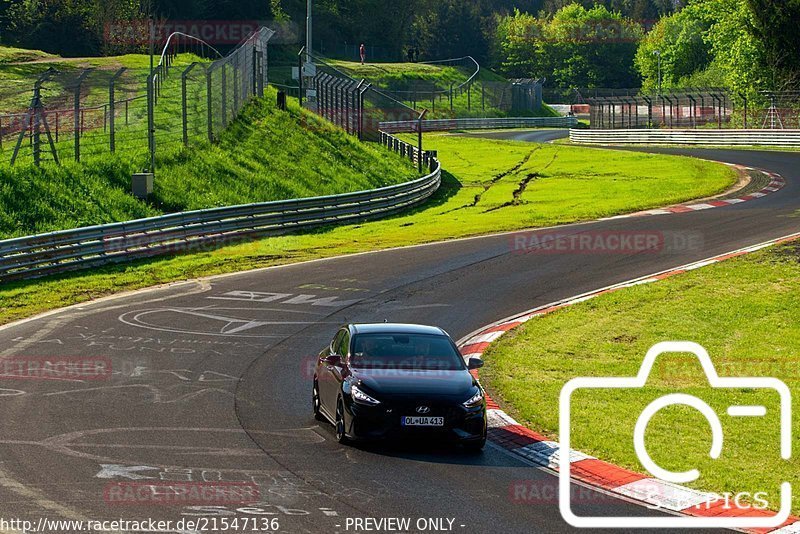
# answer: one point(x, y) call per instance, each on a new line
point(72, 113)
point(355, 105)
point(467, 90)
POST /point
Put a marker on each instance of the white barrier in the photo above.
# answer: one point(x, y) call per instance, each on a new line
point(782, 138)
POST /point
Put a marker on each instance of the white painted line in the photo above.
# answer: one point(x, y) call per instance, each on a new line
point(665, 495)
point(700, 264)
point(485, 338)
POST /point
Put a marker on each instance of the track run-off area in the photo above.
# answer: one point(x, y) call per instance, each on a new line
point(210, 380)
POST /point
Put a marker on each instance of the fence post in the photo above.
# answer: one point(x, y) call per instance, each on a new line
point(361, 111)
point(300, 75)
point(451, 97)
point(151, 124)
point(744, 98)
point(184, 103)
point(224, 95)
point(112, 106)
point(235, 85)
point(256, 71)
point(37, 126)
point(78, 115)
point(210, 102)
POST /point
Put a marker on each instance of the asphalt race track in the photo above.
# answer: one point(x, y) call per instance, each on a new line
point(211, 380)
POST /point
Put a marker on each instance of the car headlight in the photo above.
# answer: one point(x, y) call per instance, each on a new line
point(362, 397)
point(475, 400)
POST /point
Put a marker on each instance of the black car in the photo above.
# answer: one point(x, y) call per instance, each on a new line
point(377, 381)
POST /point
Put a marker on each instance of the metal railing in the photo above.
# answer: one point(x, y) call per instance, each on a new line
point(783, 138)
point(77, 114)
point(440, 125)
point(68, 250)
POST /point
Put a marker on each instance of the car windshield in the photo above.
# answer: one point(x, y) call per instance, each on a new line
point(405, 351)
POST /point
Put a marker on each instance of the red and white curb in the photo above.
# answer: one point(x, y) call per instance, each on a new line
point(777, 182)
point(505, 432)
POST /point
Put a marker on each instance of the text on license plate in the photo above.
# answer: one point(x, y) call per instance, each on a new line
point(422, 421)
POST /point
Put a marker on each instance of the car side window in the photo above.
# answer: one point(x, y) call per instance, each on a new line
point(343, 347)
point(337, 340)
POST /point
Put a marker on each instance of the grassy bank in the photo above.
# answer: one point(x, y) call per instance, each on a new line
point(266, 154)
point(743, 311)
point(570, 184)
point(408, 81)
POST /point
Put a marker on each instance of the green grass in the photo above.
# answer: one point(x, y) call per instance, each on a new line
point(743, 311)
point(19, 69)
point(573, 184)
point(403, 76)
point(265, 155)
point(9, 54)
point(486, 97)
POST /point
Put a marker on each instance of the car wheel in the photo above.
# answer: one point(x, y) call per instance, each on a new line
point(316, 402)
point(341, 437)
point(475, 447)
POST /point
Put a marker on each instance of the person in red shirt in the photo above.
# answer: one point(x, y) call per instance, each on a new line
point(363, 51)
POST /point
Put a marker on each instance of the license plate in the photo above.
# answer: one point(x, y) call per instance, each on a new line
point(422, 421)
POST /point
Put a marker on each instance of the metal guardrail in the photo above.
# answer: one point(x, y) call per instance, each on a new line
point(440, 125)
point(68, 250)
point(783, 138)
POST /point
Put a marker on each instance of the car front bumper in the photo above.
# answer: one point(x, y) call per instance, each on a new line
point(384, 422)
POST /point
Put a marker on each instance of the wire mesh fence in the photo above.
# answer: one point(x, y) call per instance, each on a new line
point(355, 105)
point(72, 113)
point(688, 108)
point(466, 90)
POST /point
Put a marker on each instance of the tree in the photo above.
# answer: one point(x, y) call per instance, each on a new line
point(453, 28)
point(774, 25)
point(576, 47)
point(679, 40)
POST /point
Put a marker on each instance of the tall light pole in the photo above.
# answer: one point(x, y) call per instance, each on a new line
point(309, 40)
point(657, 53)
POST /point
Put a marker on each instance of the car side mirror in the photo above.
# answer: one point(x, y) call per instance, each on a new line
point(333, 359)
point(474, 363)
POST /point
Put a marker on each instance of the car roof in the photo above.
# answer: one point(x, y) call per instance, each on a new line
point(395, 328)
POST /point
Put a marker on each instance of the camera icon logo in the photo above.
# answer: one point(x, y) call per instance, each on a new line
point(717, 439)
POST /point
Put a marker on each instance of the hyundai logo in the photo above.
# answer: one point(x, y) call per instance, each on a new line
point(423, 409)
